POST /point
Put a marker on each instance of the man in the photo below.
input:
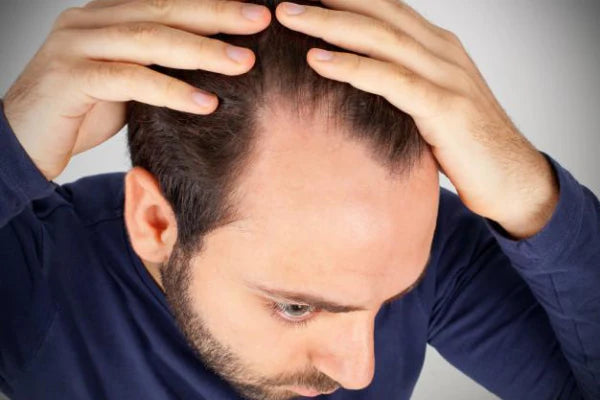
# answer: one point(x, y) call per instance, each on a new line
point(291, 239)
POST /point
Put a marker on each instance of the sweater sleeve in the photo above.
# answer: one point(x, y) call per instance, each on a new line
point(20, 180)
point(522, 317)
point(26, 307)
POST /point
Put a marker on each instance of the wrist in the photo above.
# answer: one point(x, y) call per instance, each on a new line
point(537, 208)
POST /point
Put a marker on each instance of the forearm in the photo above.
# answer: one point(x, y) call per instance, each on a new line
point(536, 206)
point(561, 264)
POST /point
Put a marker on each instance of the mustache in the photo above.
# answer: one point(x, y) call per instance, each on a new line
point(311, 378)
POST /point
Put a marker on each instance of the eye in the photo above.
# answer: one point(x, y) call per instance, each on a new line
point(297, 315)
point(294, 310)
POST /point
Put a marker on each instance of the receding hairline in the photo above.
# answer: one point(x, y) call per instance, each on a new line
point(279, 106)
point(311, 112)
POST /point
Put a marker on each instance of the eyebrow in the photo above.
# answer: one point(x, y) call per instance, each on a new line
point(328, 305)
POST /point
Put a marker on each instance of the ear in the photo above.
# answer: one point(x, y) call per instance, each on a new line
point(150, 221)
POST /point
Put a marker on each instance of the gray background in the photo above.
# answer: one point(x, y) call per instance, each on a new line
point(541, 59)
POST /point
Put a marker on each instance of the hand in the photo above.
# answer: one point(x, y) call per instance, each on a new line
point(425, 71)
point(71, 96)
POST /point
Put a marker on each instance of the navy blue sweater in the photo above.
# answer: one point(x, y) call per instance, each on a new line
point(81, 318)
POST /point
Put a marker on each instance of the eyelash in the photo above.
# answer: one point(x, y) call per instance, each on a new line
point(275, 309)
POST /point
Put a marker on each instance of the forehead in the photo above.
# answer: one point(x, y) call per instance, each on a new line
point(313, 201)
point(303, 168)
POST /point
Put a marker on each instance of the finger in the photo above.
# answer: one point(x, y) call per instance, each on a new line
point(371, 37)
point(206, 17)
point(110, 3)
point(104, 3)
point(392, 11)
point(121, 82)
point(400, 15)
point(170, 47)
point(403, 88)
point(102, 122)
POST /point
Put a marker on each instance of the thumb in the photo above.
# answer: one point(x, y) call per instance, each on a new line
point(102, 122)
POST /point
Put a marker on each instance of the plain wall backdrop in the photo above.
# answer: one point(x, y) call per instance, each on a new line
point(541, 58)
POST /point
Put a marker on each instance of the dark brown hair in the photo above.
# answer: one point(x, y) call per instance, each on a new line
point(197, 158)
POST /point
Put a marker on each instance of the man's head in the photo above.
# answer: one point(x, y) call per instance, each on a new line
point(297, 185)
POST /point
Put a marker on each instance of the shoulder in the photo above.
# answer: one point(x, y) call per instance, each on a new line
point(455, 219)
point(92, 198)
point(460, 238)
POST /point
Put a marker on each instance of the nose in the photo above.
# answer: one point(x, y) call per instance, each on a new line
point(346, 353)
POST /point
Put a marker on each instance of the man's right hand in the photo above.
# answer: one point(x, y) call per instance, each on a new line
point(71, 96)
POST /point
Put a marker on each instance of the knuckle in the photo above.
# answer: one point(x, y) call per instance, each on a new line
point(171, 87)
point(139, 31)
point(397, 37)
point(129, 77)
point(460, 80)
point(403, 40)
point(103, 73)
point(402, 78)
point(384, 32)
point(390, 29)
point(411, 78)
point(467, 82)
point(216, 7)
point(126, 75)
point(66, 18)
point(159, 7)
point(449, 36)
point(356, 63)
point(203, 44)
point(51, 59)
point(55, 41)
point(325, 16)
point(60, 43)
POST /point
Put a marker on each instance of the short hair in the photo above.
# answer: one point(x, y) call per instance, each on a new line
point(196, 159)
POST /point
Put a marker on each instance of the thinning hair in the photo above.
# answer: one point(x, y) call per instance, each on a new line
point(197, 159)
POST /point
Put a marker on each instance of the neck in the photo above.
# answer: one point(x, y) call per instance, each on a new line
point(154, 270)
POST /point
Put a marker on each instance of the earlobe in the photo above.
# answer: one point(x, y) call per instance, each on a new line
point(149, 218)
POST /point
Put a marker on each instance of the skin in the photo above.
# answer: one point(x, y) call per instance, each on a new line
point(71, 97)
point(312, 221)
point(425, 71)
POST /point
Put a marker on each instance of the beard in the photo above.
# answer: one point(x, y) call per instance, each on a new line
point(176, 277)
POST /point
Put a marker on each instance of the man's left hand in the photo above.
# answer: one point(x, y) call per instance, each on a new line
point(425, 71)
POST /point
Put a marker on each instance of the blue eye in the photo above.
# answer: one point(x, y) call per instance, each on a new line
point(296, 315)
point(294, 310)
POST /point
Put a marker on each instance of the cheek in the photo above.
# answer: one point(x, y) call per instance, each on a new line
point(240, 320)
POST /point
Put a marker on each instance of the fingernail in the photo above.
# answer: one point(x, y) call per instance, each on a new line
point(237, 54)
point(203, 99)
point(294, 9)
point(323, 55)
point(252, 11)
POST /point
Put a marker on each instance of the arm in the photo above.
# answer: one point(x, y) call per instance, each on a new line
point(20, 180)
point(522, 317)
point(26, 303)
